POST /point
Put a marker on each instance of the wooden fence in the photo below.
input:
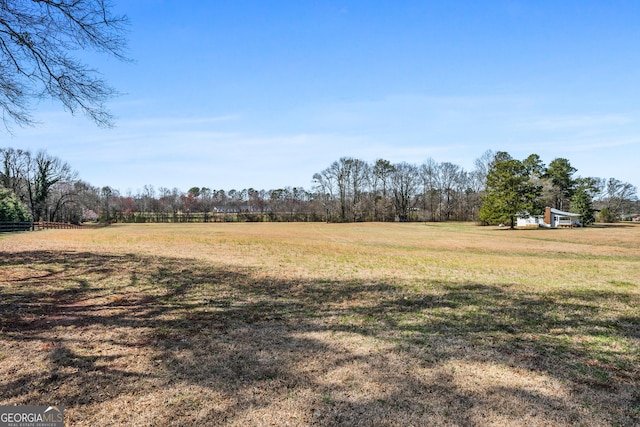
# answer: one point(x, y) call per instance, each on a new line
point(6, 226)
point(46, 225)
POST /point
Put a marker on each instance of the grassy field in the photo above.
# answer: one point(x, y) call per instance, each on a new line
point(323, 324)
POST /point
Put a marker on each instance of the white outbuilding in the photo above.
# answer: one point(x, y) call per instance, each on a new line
point(552, 218)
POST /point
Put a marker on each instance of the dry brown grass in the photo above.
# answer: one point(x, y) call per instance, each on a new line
point(317, 324)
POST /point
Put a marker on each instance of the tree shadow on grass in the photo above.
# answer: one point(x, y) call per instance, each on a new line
point(153, 340)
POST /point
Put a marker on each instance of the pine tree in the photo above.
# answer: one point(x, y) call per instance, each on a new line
point(509, 192)
point(560, 174)
point(581, 203)
point(582, 199)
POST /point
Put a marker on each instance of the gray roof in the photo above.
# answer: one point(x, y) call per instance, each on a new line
point(562, 213)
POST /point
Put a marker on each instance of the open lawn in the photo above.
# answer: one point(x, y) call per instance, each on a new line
point(323, 324)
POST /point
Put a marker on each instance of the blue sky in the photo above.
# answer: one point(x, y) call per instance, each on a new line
point(263, 94)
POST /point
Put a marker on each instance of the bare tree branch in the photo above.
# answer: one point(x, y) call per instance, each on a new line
point(37, 40)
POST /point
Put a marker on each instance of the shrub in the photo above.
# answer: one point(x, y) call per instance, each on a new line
point(11, 208)
point(606, 215)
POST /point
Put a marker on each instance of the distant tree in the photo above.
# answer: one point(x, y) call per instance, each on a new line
point(191, 202)
point(14, 171)
point(482, 165)
point(324, 188)
point(89, 215)
point(534, 166)
point(88, 199)
point(583, 197)
point(62, 203)
point(165, 204)
point(509, 191)
point(405, 182)
point(537, 172)
point(342, 172)
point(219, 199)
point(618, 197)
point(107, 195)
point(47, 172)
point(338, 181)
point(477, 183)
point(174, 203)
point(360, 173)
point(276, 202)
point(11, 208)
point(37, 39)
point(45, 184)
point(560, 174)
point(605, 215)
point(451, 176)
point(431, 194)
point(194, 192)
point(294, 198)
point(236, 200)
point(147, 199)
point(380, 179)
point(206, 202)
point(256, 200)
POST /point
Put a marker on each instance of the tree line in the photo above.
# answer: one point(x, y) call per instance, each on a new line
point(497, 190)
point(520, 187)
point(38, 186)
point(43, 187)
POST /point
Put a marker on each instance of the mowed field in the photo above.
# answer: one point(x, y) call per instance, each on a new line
point(323, 324)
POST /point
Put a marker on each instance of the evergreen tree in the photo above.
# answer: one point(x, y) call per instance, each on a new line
point(582, 199)
point(510, 191)
point(560, 173)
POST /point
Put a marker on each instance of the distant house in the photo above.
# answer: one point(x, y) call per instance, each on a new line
point(552, 218)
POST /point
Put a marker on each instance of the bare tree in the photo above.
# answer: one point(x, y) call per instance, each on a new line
point(360, 171)
point(206, 196)
point(341, 170)
point(482, 166)
point(47, 172)
point(15, 171)
point(405, 185)
point(43, 182)
point(478, 182)
point(324, 187)
point(431, 194)
point(450, 178)
point(37, 38)
point(381, 177)
point(619, 196)
point(336, 180)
